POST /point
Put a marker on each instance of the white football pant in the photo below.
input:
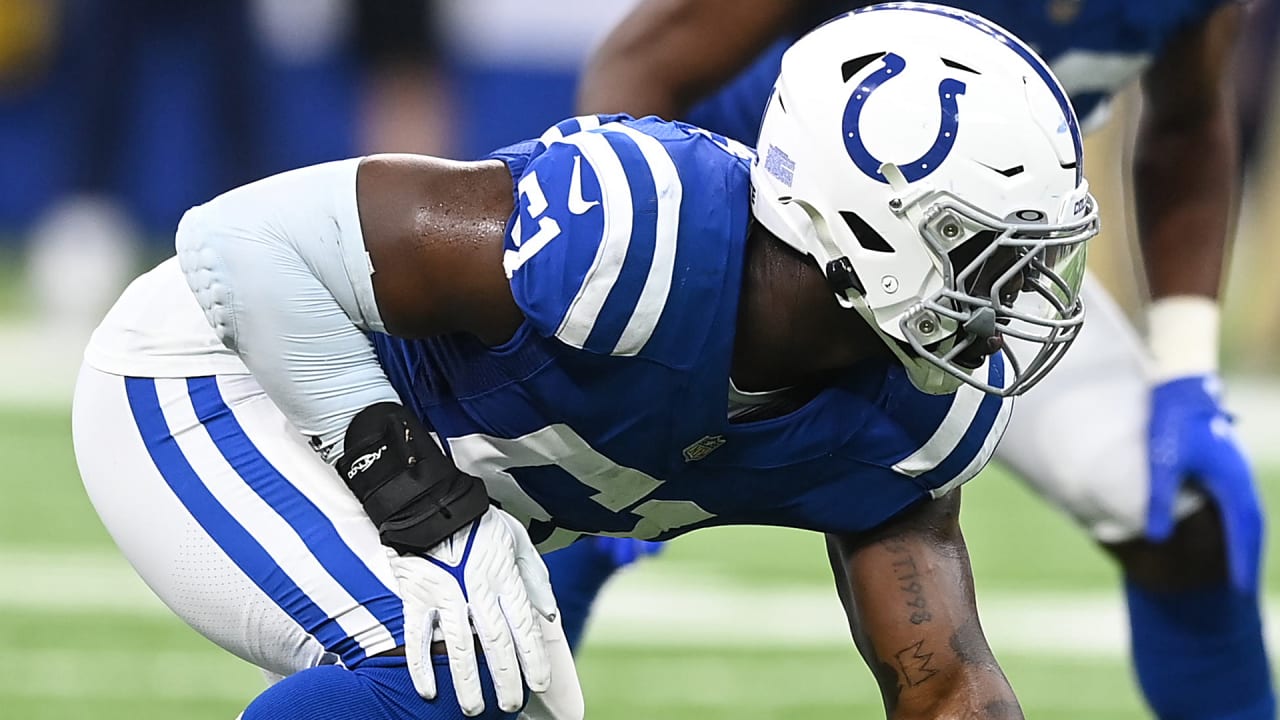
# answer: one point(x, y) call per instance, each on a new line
point(241, 529)
point(1079, 437)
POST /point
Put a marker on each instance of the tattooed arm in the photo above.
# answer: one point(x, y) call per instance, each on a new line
point(908, 591)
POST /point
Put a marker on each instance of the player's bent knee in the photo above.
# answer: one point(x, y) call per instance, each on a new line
point(1193, 557)
point(379, 689)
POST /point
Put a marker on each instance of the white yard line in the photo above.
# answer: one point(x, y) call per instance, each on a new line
point(654, 606)
point(73, 582)
point(126, 675)
point(659, 607)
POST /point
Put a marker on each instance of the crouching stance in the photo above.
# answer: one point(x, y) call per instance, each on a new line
point(245, 531)
point(627, 328)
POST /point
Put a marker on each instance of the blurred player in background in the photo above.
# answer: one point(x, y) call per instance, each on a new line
point(147, 106)
point(1131, 441)
point(627, 327)
point(406, 93)
point(1255, 80)
point(118, 115)
point(1251, 284)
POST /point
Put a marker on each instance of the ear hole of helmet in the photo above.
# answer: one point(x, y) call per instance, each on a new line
point(866, 235)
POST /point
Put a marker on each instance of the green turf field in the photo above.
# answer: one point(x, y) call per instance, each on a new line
point(80, 639)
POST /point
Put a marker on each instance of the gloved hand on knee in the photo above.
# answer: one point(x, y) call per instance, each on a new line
point(466, 570)
point(481, 583)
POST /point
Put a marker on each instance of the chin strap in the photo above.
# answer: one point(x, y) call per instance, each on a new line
point(904, 204)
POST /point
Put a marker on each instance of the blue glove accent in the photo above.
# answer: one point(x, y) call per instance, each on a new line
point(378, 689)
point(1190, 439)
point(579, 571)
point(1199, 654)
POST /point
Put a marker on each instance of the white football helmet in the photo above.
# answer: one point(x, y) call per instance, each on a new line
point(931, 164)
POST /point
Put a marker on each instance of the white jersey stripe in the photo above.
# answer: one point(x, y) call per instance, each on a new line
point(988, 448)
point(657, 285)
point(964, 408)
point(554, 134)
point(615, 198)
point(267, 527)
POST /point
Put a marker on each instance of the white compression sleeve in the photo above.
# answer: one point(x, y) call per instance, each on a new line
point(281, 270)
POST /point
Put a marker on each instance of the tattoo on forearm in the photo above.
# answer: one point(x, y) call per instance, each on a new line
point(904, 571)
point(913, 664)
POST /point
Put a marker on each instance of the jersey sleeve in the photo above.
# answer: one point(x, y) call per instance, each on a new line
point(620, 236)
point(942, 441)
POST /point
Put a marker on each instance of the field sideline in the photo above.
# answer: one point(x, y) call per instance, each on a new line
point(732, 623)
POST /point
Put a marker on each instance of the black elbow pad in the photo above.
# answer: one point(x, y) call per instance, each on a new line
point(413, 493)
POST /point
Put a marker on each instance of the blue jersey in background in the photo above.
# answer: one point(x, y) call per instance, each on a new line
point(1095, 48)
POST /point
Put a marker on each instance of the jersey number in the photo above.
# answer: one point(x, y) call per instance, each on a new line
point(530, 192)
point(618, 489)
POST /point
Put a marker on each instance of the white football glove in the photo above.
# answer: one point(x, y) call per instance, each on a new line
point(563, 700)
point(486, 579)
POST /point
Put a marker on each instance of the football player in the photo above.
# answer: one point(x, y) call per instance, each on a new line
point(629, 328)
point(1131, 441)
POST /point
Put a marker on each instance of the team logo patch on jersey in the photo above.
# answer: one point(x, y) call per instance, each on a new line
point(703, 448)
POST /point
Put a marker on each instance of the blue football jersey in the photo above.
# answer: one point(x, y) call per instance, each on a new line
point(607, 412)
point(1095, 47)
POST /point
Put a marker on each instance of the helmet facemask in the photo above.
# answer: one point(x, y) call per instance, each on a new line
point(1013, 278)
point(1017, 278)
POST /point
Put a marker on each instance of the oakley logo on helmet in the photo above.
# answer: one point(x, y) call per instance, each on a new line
point(948, 91)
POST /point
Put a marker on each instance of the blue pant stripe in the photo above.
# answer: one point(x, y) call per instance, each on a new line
point(225, 530)
point(314, 528)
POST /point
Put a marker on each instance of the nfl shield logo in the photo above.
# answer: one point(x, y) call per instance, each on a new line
point(703, 448)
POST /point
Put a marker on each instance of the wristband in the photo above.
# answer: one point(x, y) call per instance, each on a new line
point(414, 495)
point(1182, 333)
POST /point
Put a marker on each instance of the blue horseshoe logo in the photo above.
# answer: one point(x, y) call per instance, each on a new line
point(948, 90)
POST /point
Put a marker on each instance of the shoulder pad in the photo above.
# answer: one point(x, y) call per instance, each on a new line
point(600, 248)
